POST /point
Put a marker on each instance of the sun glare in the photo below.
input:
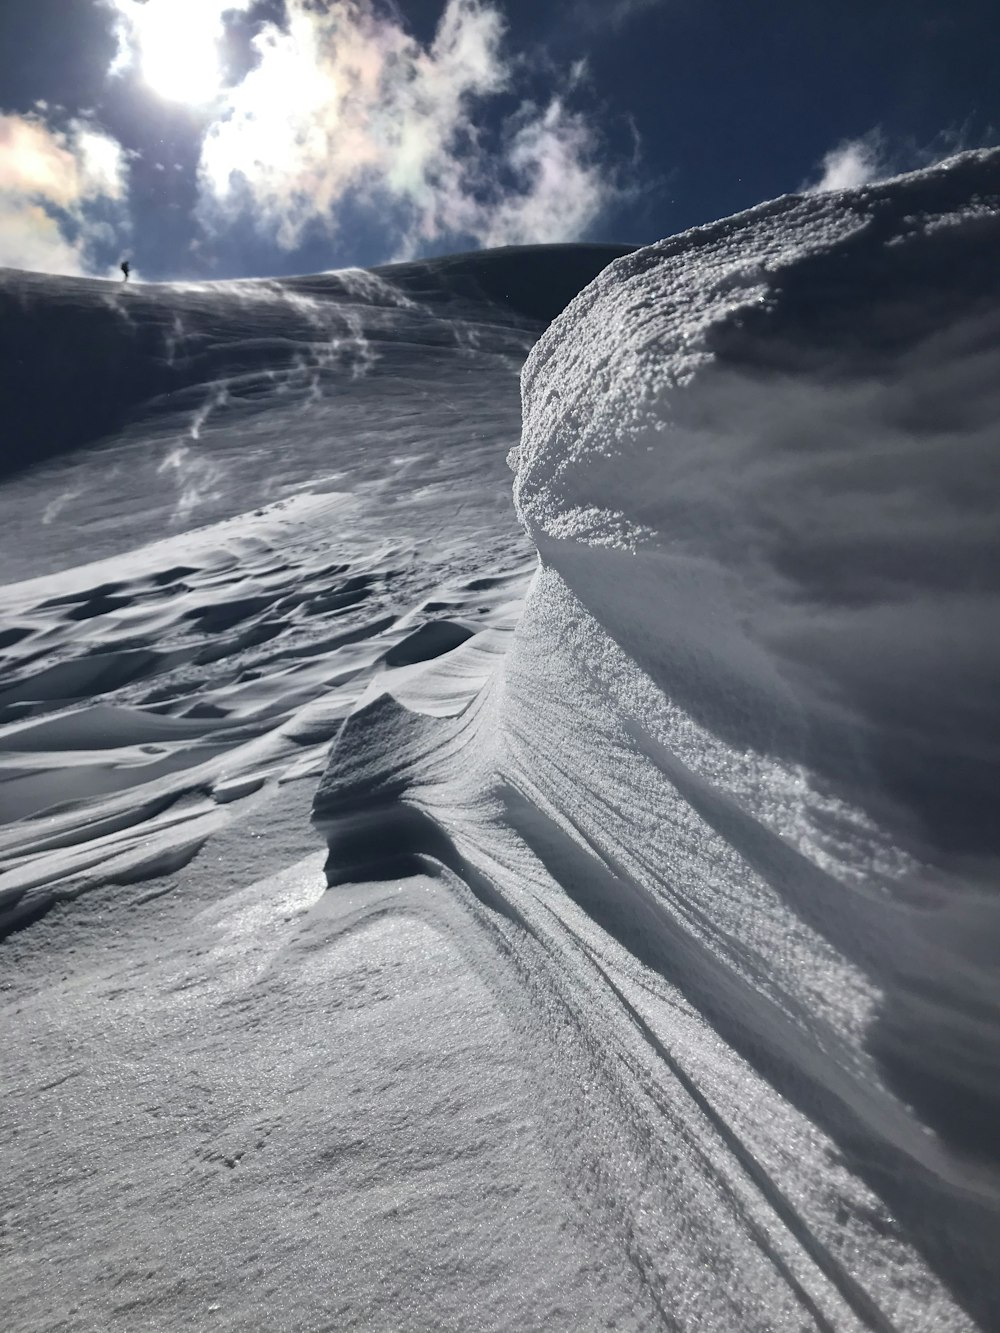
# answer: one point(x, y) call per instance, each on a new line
point(176, 45)
point(179, 65)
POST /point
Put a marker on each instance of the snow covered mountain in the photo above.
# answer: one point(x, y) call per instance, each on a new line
point(648, 977)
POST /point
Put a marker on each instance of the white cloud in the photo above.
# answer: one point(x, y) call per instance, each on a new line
point(31, 239)
point(561, 187)
point(54, 184)
point(612, 13)
point(345, 104)
point(62, 167)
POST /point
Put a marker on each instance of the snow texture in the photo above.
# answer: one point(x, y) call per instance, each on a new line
point(651, 977)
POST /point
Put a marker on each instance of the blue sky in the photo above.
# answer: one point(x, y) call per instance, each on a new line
point(225, 138)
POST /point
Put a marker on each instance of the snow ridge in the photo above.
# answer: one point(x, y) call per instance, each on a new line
point(729, 792)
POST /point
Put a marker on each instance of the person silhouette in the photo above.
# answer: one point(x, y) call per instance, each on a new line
point(126, 268)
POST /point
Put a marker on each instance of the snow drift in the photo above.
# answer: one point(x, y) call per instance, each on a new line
point(228, 1098)
point(656, 985)
point(321, 460)
point(728, 792)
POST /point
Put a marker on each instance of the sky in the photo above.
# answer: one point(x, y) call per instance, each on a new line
point(235, 138)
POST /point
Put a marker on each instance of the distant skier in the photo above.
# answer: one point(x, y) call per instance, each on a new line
point(126, 268)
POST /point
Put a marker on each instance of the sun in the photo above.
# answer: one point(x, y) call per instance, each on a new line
point(175, 45)
point(179, 64)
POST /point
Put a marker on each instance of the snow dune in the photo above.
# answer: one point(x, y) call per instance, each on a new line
point(228, 1098)
point(648, 978)
point(281, 432)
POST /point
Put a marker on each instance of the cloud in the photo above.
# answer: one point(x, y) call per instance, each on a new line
point(612, 13)
point(345, 107)
point(562, 188)
point(58, 190)
point(31, 239)
point(65, 168)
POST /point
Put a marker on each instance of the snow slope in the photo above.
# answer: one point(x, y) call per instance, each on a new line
point(648, 978)
point(227, 1098)
point(328, 475)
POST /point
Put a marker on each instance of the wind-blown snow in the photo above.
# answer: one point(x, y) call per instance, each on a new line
point(655, 981)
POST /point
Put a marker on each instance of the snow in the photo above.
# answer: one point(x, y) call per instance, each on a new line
point(648, 978)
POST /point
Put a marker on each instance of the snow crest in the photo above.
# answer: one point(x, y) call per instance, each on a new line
point(727, 794)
